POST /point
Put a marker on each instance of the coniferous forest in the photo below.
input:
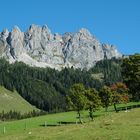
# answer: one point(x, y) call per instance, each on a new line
point(47, 88)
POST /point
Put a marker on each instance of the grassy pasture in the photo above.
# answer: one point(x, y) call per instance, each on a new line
point(13, 101)
point(106, 126)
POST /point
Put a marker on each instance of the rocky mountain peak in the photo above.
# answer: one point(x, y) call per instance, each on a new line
point(85, 32)
point(46, 28)
point(37, 28)
point(39, 47)
point(5, 33)
point(16, 30)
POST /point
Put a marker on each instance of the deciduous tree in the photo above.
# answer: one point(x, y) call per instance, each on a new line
point(131, 75)
point(94, 101)
point(77, 99)
point(120, 94)
point(106, 96)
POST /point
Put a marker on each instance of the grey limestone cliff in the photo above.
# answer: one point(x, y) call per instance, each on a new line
point(39, 47)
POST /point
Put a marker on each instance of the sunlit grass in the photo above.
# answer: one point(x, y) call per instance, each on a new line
point(106, 126)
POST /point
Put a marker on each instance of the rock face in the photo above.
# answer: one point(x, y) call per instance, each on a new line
point(39, 47)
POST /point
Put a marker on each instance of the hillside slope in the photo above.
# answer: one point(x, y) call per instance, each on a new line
point(13, 101)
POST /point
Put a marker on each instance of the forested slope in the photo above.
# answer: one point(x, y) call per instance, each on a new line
point(46, 88)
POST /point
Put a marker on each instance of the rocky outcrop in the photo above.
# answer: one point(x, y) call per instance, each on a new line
point(39, 47)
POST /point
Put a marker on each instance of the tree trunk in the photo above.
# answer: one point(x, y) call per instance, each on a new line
point(115, 107)
point(91, 113)
point(79, 116)
point(106, 109)
point(126, 107)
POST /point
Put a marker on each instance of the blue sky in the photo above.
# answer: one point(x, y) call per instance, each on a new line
point(111, 21)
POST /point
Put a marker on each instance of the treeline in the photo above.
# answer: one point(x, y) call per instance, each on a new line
point(131, 75)
point(14, 115)
point(47, 88)
point(80, 98)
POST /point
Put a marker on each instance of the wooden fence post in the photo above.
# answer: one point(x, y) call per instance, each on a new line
point(4, 130)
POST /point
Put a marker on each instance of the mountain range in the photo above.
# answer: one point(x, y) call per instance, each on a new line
point(41, 48)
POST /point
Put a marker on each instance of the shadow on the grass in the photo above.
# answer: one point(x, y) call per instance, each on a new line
point(49, 125)
point(62, 122)
point(59, 124)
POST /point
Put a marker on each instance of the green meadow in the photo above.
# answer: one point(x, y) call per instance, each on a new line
point(106, 126)
point(13, 101)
